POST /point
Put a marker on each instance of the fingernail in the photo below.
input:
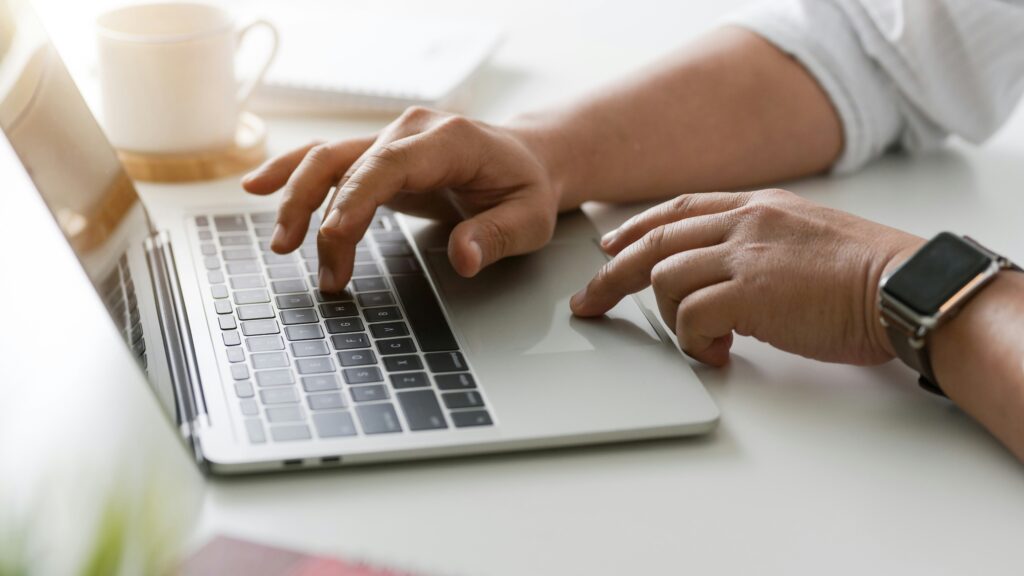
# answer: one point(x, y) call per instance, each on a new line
point(279, 234)
point(609, 237)
point(578, 298)
point(476, 256)
point(332, 220)
point(326, 279)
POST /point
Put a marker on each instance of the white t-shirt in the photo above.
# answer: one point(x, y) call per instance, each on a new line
point(903, 72)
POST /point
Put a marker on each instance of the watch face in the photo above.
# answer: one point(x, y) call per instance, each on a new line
point(933, 275)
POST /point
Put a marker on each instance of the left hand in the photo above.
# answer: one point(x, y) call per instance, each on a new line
point(768, 264)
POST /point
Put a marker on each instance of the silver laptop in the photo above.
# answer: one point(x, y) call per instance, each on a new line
point(261, 371)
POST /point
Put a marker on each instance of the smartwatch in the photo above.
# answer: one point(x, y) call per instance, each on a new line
point(929, 289)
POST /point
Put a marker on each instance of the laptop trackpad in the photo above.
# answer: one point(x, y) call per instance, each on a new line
point(520, 306)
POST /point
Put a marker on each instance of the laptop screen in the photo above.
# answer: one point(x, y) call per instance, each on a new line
point(76, 171)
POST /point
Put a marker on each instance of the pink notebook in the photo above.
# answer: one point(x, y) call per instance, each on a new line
point(224, 556)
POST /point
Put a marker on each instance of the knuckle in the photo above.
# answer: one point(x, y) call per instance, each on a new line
point(679, 205)
point(414, 114)
point(653, 240)
point(319, 154)
point(454, 125)
point(389, 154)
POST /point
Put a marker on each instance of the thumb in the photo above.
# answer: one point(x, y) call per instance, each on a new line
point(516, 226)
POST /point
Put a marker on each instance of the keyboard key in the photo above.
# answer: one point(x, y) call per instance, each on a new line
point(286, 271)
point(395, 346)
point(308, 252)
point(368, 269)
point(325, 401)
point(343, 296)
point(246, 282)
point(289, 301)
point(456, 400)
point(227, 322)
point(362, 375)
point(290, 433)
point(205, 235)
point(263, 217)
point(378, 418)
point(389, 330)
point(268, 360)
point(334, 424)
point(369, 393)
point(338, 309)
point(240, 253)
point(425, 315)
point(400, 363)
point(314, 280)
point(410, 380)
point(344, 325)
point(275, 378)
point(264, 231)
point(243, 389)
point(363, 256)
point(244, 267)
point(368, 299)
point(272, 259)
point(282, 395)
point(285, 414)
point(264, 343)
point(422, 412)
point(309, 348)
point(249, 407)
point(208, 249)
point(260, 327)
point(254, 429)
point(388, 236)
point(455, 381)
point(471, 418)
point(235, 240)
point(369, 284)
point(230, 223)
point(357, 358)
point(215, 277)
point(446, 362)
point(285, 286)
point(315, 365)
point(299, 316)
point(350, 341)
point(320, 382)
point(202, 221)
point(389, 249)
point(240, 372)
point(402, 265)
point(382, 314)
point(222, 307)
point(255, 312)
point(219, 291)
point(312, 266)
point(231, 338)
point(242, 297)
point(303, 332)
point(235, 355)
point(211, 263)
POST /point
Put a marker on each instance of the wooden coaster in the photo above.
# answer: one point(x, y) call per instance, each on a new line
point(248, 151)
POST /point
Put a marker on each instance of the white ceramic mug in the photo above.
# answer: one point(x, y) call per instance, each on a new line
point(167, 72)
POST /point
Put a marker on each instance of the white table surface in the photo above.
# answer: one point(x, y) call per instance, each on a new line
point(815, 468)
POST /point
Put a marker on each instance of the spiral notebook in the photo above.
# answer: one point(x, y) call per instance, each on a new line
point(367, 63)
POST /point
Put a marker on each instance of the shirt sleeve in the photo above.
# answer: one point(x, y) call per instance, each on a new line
point(903, 73)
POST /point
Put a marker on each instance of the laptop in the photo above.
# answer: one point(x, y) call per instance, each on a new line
point(258, 370)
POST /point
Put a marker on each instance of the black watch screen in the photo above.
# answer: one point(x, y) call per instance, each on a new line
point(933, 275)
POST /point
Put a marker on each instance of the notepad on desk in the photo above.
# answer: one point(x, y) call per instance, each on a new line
point(372, 64)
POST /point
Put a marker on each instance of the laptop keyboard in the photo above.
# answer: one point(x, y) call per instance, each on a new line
point(378, 358)
point(118, 293)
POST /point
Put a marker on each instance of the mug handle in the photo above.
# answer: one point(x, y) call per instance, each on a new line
point(246, 90)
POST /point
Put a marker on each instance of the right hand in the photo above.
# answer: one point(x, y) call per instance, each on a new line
point(425, 163)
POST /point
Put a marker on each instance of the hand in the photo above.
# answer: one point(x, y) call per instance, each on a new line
point(768, 264)
point(426, 163)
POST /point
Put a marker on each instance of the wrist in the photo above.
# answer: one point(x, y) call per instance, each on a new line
point(544, 137)
point(899, 252)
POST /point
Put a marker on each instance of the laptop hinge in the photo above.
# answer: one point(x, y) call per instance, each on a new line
point(177, 336)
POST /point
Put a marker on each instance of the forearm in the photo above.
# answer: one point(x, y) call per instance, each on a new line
point(730, 111)
point(978, 359)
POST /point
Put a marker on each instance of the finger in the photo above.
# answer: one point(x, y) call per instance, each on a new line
point(516, 226)
point(272, 174)
point(679, 208)
point(706, 319)
point(318, 171)
point(682, 274)
point(442, 157)
point(630, 270)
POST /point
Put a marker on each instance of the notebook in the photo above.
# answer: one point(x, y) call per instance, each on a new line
point(327, 64)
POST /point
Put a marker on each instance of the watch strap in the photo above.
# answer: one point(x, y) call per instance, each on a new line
point(917, 358)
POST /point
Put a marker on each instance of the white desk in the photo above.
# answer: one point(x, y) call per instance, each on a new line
point(815, 468)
